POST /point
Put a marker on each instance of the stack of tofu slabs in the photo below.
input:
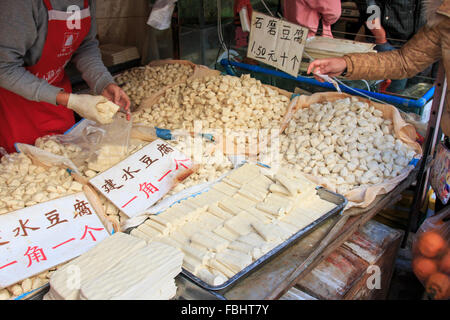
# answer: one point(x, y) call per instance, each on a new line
point(148, 274)
point(241, 218)
point(65, 284)
point(120, 267)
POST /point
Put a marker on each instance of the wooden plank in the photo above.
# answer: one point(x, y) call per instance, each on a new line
point(335, 275)
point(369, 242)
point(344, 274)
point(386, 264)
point(296, 294)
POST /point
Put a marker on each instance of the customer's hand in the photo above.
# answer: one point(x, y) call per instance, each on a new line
point(332, 67)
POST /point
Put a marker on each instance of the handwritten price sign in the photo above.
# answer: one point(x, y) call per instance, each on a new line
point(37, 238)
point(137, 182)
point(277, 42)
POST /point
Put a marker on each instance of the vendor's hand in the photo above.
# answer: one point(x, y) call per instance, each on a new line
point(86, 105)
point(332, 67)
point(115, 94)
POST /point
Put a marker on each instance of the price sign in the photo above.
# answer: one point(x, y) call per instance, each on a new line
point(37, 238)
point(277, 42)
point(140, 180)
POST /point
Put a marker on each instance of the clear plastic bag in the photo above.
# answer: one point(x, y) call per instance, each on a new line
point(113, 146)
point(161, 15)
point(46, 159)
point(77, 144)
point(90, 144)
point(431, 256)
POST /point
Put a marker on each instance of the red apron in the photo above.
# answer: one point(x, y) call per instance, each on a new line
point(24, 121)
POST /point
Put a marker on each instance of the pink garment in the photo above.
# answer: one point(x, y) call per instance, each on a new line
point(308, 13)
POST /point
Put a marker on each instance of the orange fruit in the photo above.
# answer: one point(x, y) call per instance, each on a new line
point(424, 267)
point(431, 244)
point(437, 286)
point(444, 264)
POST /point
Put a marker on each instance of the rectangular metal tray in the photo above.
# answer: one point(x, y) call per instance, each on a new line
point(324, 194)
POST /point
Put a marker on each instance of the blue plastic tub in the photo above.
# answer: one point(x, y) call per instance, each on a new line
point(413, 105)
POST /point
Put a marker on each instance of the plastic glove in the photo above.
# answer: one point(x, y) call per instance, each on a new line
point(95, 108)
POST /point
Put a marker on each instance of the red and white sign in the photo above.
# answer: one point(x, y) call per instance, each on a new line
point(136, 183)
point(37, 238)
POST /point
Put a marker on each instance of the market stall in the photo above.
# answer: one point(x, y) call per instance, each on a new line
point(272, 272)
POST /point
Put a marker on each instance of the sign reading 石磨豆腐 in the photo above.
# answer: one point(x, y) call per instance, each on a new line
point(136, 183)
point(42, 236)
point(277, 42)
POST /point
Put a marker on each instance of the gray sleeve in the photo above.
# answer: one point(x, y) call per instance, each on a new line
point(17, 35)
point(88, 59)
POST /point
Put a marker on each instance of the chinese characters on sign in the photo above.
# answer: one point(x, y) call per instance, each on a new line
point(277, 43)
point(137, 182)
point(40, 237)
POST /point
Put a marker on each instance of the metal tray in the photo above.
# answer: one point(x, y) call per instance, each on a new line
point(324, 194)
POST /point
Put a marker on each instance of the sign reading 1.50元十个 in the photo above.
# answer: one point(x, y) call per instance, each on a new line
point(277, 42)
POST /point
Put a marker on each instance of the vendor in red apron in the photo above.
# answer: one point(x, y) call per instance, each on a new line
point(37, 40)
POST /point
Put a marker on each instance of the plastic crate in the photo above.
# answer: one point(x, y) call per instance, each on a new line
point(274, 77)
